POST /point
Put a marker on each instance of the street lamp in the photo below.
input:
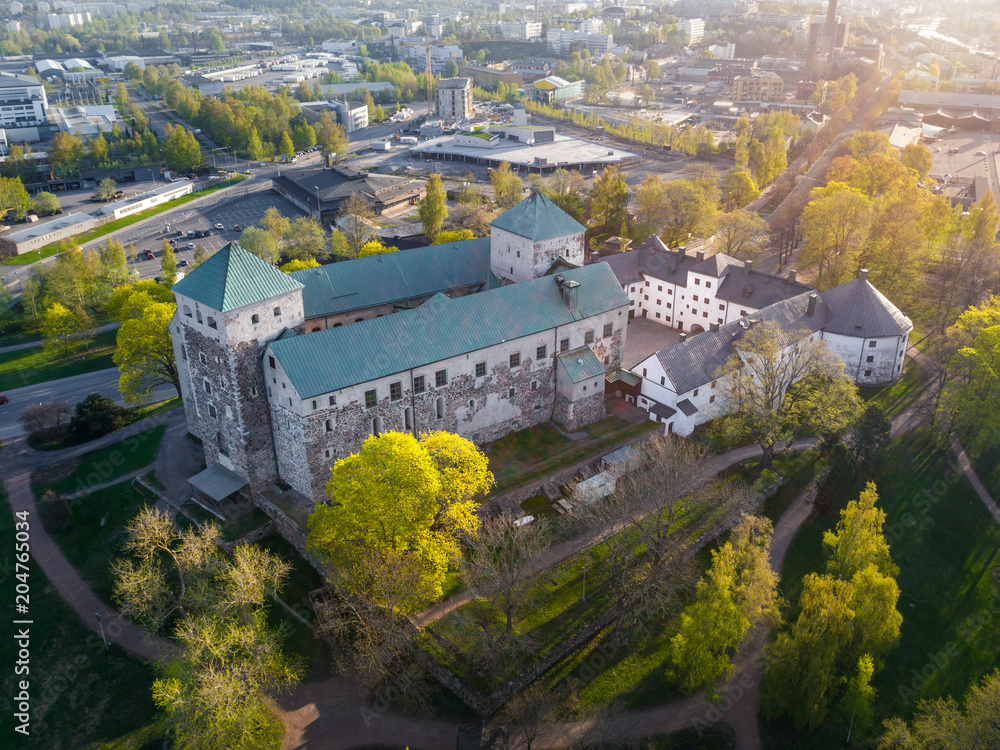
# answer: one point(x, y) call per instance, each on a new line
point(583, 598)
point(319, 206)
point(101, 626)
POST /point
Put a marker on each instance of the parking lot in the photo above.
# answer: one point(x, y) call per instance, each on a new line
point(244, 210)
point(972, 159)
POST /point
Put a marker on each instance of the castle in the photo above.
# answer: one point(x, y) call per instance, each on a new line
point(282, 374)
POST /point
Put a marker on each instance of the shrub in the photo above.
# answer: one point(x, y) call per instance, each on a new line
point(97, 415)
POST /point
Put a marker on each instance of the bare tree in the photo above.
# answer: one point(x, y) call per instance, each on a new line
point(36, 419)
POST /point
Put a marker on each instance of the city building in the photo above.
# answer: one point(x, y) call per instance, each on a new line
point(276, 398)
point(43, 233)
point(23, 103)
point(325, 190)
point(488, 76)
point(695, 28)
point(352, 115)
point(453, 99)
point(86, 120)
point(552, 89)
point(589, 25)
point(433, 26)
point(562, 42)
point(758, 86)
point(521, 31)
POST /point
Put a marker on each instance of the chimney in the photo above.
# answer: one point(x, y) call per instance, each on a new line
point(791, 276)
point(701, 255)
point(811, 309)
point(682, 337)
point(747, 267)
point(863, 274)
point(570, 291)
point(713, 326)
point(680, 253)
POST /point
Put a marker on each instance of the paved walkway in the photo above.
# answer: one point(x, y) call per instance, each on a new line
point(32, 344)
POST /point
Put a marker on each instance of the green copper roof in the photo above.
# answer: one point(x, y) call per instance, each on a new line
point(581, 364)
point(537, 218)
point(233, 278)
point(336, 358)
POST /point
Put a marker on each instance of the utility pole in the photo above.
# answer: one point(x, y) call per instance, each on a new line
point(101, 626)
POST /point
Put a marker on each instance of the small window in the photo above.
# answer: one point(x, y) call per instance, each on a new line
point(314, 405)
point(722, 307)
point(198, 315)
point(222, 444)
point(377, 426)
point(697, 281)
point(743, 313)
point(208, 387)
point(868, 373)
point(670, 292)
point(510, 393)
point(647, 283)
point(395, 391)
point(588, 337)
point(540, 353)
point(659, 288)
point(211, 411)
point(515, 359)
point(255, 319)
point(327, 452)
point(696, 298)
point(270, 361)
point(371, 399)
point(646, 297)
point(480, 369)
point(329, 425)
point(408, 418)
point(714, 382)
point(534, 385)
point(658, 315)
point(644, 372)
point(695, 392)
point(564, 345)
point(704, 315)
point(708, 284)
point(439, 408)
point(211, 323)
point(441, 378)
point(202, 358)
point(871, 344)
point(418, 384)
point(659, 302)
point(187, 311)
point(253, 391)
point(608, 330)
point(870, 359)
point(711, 399)
point(333, 400)
point(277, 312)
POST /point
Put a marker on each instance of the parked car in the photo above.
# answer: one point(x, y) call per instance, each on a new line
point(190, 246)
point(980, 153)
point(149, 255)
point(220, 227)
point(237, 228)
point(200, 233)
point(208, 232)
point(181, 263)
point(191, 235)
point(4, 400)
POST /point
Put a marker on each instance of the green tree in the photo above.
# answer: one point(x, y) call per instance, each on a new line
point(740, 234)
point(738, 189)
point(609, 198)
point(401, 505)
point(355, 223)
point(105, 190)
point(375, 247)
point(433, 209)
point(261, 243)
point(286, 148)
point(13, 196)
point(859, 695)
point(65, 154)
point(168, 264)
point(304, 136)
point(777, 383)
point(507, 186)
point(114, 263)
point(918, 158)
point(453, 236)
point(450, 69)
point(868, 142)
point(98, 146)
point(122, 100)
point(305, 239)
point(255, 149)
point(59, 327)
point(688, 208)
point(858, 541)
point(45, 204)
point(199, 256)
point(299, 265)
point(835, 225)
point(180, 148)
point(144, 353)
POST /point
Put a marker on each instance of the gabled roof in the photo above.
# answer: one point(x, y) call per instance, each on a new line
point(537, 218)
point(581, 364)
point(756, 289)
point(232, 278)
point(687, 407)
point(859, 309)
point(340, 357)
point(393, 278)
point(717, 265)
point(652, 258)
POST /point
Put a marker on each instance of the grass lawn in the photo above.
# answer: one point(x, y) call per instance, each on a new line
point(36, 365)
point(948, 549)
point(99, 466)
point(81, 695)
point(719, 737)
point(898, 396)
point(63, 439)
point(526, 455)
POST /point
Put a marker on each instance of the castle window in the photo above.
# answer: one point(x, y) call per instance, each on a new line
point(564, 345)
point(314, 404)
point(198, 313)
point(695, 298)
point(337, 325)
point(480, 369)
point(534, 385)
point(585, 389)
point(277, 312)
point(202, 358)
point(870, 359)
point(647, 283)
point(518, 253)
point(408, 418)
point(510, 393)
point(695, 392)
point(396, 391)
point(669, 292)
point(329, 425)
point(211, 322)
point(669, 306)
point(608, 329)
point(253, 391)
point(270, 361)
point(711, 399)
point(588, 337)
point(255, 319)
point(418, 384)
point(871, 344)
point(441, 378)
point(743, 314)
point(646, 297)
point(187, 311)
point(211, 411)
point(371, 398)
point(327, 452)
point(439, 408)
point(472, 404)
point(184, 352)
point(868, 373)
point(208, 387)
point(663, 380)
point(333, 400)
point(377, 426)
point(540, 352)
point(722, 307)
point(515, 359)
point(714, 382)
point(659, 288)
point(317, 329)
point(644, 372)
point(659, 302)
point(697, 281)
point(704, 315)
point(657, 315)
point(222, 444)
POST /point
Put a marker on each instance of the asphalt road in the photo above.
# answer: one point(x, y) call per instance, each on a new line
point(73, 389)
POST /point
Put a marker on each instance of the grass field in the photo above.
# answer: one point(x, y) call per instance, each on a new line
point(896, 397)
point(81, 695)
point(36, 365)
point(948, 549)
point(100, 466)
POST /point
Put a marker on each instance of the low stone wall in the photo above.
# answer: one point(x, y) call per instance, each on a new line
point(250, 538)
point(290, 531)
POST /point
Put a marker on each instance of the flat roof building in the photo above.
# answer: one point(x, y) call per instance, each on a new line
point(759, 86)
point(453, 99)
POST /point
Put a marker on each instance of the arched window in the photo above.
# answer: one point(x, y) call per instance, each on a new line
point(329, 425)
point(187, 311)
point(255, 319)
point(337, 325)
point(222, 444)
point(198, 313)
point(408, 418)
point(358, 320)
point(211, 322)
point(377, 426)
point(317, 329)
point(472, 404)
point(440, 408)
point(277, 312)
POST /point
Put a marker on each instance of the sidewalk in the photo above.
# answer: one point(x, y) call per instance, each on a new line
point(31, 344)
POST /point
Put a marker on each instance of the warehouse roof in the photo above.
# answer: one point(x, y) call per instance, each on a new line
point(393, 278)
point(537, 218)
point(340, 357)
point(233, 278)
